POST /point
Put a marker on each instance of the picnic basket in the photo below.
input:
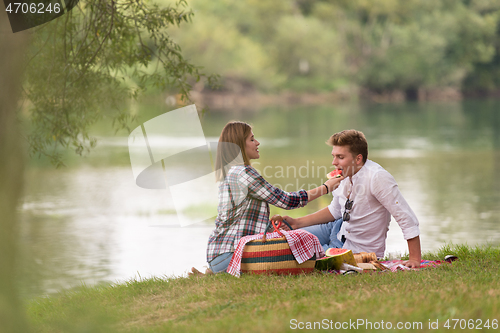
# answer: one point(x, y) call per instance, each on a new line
point(273, 256)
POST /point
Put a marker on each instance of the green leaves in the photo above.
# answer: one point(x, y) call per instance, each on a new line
point(88, 64)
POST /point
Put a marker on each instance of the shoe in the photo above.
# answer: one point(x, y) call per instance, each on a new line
point(450, 257)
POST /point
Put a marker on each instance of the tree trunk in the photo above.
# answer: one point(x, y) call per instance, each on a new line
point(12, 48)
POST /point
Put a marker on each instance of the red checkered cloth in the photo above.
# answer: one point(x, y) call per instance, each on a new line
point(303, 245)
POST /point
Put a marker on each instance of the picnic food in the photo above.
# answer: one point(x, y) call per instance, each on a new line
point(378, 265)
point(367, 266)
point(335, 258)
point(365, 257)
point(334, 174)
point(331, 252)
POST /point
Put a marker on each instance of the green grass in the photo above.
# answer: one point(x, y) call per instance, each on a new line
point(467, 289)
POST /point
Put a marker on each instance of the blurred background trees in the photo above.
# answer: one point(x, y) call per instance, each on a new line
point(90, 63)
point(325, 45)
point(87, 65)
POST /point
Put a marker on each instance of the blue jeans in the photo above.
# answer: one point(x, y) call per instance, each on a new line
point(219, 264)
point(327, 233)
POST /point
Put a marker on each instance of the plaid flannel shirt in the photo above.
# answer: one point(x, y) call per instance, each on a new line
point(244, 198)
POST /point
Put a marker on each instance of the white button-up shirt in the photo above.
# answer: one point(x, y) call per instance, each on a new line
point(376, 197)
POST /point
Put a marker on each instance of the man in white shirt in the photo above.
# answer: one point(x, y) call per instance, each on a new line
point(362, 205)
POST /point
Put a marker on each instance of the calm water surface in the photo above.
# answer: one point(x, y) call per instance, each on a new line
point(89, 223)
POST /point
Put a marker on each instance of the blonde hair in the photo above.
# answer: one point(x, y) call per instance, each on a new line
point(235, 132)
point(353, 139)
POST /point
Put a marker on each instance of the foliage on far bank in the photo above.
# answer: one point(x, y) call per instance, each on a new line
point(468, 289)
point(85, 65)
point(329, 45)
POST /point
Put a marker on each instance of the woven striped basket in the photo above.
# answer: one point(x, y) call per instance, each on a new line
point(272, 256)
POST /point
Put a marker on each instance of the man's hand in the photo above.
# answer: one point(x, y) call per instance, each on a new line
point(321, 216)
point(412, 263)
point(415, 253)
point(294, 223)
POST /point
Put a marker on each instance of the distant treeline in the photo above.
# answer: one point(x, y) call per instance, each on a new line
point(334, 45)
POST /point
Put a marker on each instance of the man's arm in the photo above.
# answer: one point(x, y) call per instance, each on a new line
point(415, 253)
point(321, 216)
point(386, 191)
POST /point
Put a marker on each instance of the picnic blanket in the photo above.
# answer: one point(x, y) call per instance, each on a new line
point(398, 265)
point(303, 245)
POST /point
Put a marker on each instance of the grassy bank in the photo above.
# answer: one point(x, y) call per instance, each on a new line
point(468, 289)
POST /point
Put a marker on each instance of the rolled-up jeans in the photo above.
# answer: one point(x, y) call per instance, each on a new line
point(327, 233)
point(220, 263)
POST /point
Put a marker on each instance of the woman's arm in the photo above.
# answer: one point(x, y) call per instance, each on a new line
point(250, 180)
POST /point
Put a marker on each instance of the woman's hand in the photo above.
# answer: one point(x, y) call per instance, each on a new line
point(330, 184)
point(333, 183)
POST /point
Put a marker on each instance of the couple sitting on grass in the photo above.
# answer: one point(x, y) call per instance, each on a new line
point(364, 198)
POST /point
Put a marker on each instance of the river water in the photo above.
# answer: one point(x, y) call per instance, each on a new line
point(89, 223)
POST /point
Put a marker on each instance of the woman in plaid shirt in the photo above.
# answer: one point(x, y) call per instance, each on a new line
point(244, 195)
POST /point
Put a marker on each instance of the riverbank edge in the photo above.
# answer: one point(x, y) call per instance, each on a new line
point(468, 289)
point(242, 97)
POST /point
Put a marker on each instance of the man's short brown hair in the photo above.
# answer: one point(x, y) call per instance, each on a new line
point(353, 139)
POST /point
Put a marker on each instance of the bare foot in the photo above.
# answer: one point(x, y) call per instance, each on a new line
point(195, 272)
